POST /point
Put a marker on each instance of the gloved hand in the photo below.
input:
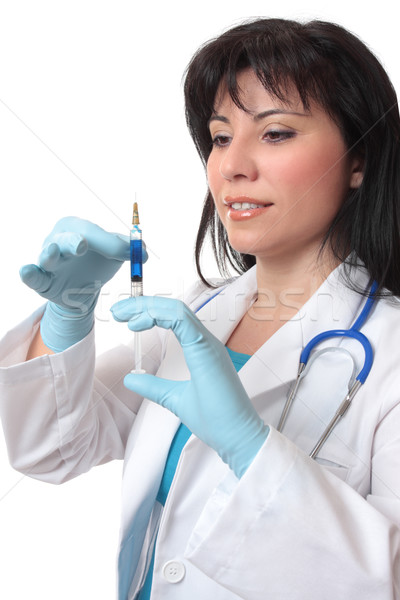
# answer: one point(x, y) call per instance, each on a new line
point(76, 260)
point(213, 404)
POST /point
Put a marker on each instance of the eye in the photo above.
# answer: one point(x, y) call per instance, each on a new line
point(278, 135)
point(220, 141)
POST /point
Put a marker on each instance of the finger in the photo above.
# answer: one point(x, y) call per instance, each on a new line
point(62, 245)
point(71, 243)
point(162, 391)
point(197, 342)
point(35, 278)
point(49, 257)
point(110, 245)
point(130, 308)
point(147, 311)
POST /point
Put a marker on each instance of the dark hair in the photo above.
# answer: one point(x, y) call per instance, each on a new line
point(331, 66)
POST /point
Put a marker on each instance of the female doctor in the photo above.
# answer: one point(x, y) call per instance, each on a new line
point(299, 130)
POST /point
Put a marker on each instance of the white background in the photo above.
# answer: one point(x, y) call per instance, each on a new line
point(91, 113)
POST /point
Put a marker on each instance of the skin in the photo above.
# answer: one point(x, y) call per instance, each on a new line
point(295, 162)
point(37, 347)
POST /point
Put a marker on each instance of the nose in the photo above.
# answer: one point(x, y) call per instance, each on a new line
point(238, 162)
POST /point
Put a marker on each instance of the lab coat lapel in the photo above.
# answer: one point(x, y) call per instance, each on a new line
point(221, 310)
point(333, 306)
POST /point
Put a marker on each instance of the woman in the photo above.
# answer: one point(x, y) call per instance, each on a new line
point(298, 127)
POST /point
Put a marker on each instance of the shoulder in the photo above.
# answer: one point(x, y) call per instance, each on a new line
point(386, 313)
point(382, 329)
point(353, 281)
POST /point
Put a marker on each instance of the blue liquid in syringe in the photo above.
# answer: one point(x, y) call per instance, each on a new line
point(136, 260)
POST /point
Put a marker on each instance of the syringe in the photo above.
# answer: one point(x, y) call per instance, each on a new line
point(136, 252)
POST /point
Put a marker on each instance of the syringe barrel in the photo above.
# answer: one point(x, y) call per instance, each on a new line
point(136, 252)
point(136, 288)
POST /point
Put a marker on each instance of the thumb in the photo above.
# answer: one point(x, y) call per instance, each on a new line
point(164, 392)
point(110, 245)
point(35, 278)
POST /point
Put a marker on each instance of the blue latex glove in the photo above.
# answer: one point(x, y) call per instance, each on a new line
point(213, 404)
point(76, 260)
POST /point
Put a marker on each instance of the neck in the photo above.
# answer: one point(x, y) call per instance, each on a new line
point(283, 288)
point(287, 284)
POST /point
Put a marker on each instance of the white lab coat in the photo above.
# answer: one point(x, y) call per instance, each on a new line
point(291, 528)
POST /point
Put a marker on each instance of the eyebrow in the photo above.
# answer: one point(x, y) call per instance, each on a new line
point(261, 115)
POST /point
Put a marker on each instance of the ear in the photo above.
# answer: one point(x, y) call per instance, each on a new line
point(357, 172)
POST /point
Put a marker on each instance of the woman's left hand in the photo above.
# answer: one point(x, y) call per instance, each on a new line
point(213, 404)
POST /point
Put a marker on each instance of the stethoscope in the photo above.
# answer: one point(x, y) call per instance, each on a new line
point(305, 361)
point(354, 333)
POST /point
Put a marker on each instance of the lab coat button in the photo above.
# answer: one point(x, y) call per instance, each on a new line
point(174, 571)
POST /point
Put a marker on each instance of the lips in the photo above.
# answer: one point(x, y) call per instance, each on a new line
point(242, 208)
point(246, 200)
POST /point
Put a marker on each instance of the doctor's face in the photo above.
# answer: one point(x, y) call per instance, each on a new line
point(278, 173)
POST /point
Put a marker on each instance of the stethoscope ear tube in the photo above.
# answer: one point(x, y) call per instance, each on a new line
point(291, 397)
point(334, 421)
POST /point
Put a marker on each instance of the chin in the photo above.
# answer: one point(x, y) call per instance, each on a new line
point(244, 244)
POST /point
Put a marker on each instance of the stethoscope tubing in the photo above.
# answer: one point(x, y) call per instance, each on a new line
point(353, 332)
point(349, 333)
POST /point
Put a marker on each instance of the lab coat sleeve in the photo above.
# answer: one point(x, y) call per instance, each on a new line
point(290, 529)
point(65, 413)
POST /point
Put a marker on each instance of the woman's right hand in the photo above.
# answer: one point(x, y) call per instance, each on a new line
point(77, 259)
